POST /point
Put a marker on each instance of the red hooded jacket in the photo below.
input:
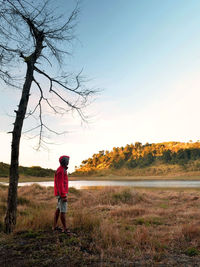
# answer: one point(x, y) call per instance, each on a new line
point(61, 181)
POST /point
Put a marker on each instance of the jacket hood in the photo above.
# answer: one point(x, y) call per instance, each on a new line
point(63, 157)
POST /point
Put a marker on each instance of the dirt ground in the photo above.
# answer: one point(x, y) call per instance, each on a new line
point(46, 248)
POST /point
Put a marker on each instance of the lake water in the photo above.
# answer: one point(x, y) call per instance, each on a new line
point(85, 184)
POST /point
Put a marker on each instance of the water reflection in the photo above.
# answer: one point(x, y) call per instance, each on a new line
point(86, 184)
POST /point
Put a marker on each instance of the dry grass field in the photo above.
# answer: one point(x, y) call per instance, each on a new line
point(111, 227)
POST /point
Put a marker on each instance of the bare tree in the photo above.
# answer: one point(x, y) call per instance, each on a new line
point(33, 35)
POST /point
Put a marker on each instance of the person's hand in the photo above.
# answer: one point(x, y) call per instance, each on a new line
point(64, 199)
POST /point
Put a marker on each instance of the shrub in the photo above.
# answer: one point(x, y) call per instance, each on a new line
point(166, 157)
point(73, 190)
point(23, 201)
point(192, 252)
point(124, 197)
point(131, 164)
point(117, 163)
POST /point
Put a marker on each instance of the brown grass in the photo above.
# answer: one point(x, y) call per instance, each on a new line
point(117, 222)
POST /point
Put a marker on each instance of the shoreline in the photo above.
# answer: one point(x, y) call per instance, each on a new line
point(184, 177)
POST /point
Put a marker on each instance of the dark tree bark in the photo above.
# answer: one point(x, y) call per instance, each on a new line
point(10, 218)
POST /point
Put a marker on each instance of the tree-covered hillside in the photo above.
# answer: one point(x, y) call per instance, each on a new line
point(36, 171)
point(138, 156)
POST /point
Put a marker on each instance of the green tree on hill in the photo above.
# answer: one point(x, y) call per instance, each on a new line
point(140, 156)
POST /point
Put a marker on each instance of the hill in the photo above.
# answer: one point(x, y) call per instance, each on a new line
point(149, 159)
point(36, 171)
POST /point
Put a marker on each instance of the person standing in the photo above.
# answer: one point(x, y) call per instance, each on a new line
point(61, 191)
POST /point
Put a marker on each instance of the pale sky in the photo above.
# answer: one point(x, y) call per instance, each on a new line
point(145, 56)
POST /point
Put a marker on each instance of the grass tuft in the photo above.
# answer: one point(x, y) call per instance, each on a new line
point(124, 211)
point(73, 190)
point(191, 232)
point(192, 252)
point(23, 201)
point(122, 197)
point(86, 222)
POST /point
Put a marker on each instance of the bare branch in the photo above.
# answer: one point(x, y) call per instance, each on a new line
point(67, 26)
point(40, 10)
point(43, 98)
point(10, 49)
point(32, 129)
point(55, 132)
point(47, 60)
point(82, 93)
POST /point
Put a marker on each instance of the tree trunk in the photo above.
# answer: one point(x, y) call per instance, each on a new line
point(10, 218)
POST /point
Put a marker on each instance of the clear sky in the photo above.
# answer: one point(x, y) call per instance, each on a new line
point(145, 55)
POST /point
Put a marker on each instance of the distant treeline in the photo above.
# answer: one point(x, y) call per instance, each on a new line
point(26, 171)
point(140, 156)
